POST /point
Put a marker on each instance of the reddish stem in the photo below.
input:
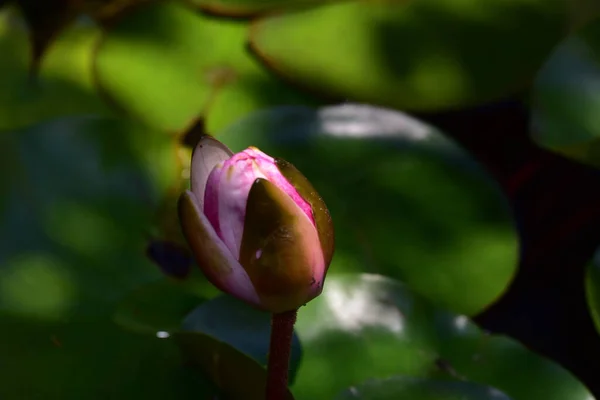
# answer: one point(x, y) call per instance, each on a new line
point(282, 329)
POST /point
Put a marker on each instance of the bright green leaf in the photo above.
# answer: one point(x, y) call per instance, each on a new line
point(167, 66)
point(417, 55)
point(64, 85)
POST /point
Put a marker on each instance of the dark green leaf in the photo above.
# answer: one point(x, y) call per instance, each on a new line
point(78, 201)
point(397, 388)
point(156, 307)
point(246, 329)
point(236, 374)
point(592, 283)
point(565, 115)
point(247, 8)
point(90, 358)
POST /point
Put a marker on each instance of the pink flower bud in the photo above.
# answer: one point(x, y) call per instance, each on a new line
point(258, 229)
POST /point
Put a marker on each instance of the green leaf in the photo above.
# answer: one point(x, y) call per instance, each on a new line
point(236, 374)
point(246, 329)
point(405, 201)
point(367, 326)
point(502, 362)
point(167, 66)
point(247, 8)
point(84, 190)
point(321, 215)
point(420, 389)
point(78, 199)
point(63, 85)
point(417, 55)
point(592, 285)
point(565, 113)
point(90, 358)
point(156, 307)
point(46, 19)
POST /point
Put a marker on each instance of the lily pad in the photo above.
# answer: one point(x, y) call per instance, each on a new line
point(226, 339)
point(78, 199)
point(367, 326)
point(592, 283)
point(45, 21)
point(246, 329)
point(565, 99)
point(156, 307)
point(63, 85)
point(93, 359)
point(167, 66)
point(236, 374)
point(420, 389)
point(247, 8)
point(415, 55)
point(406, 201)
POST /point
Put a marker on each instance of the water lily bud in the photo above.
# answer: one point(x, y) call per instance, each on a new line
point(257, 227)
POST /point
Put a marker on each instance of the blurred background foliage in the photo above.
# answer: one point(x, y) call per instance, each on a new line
point(101, 102)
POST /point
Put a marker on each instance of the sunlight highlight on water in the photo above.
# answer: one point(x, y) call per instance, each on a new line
point(162, 334)
point(362, 308)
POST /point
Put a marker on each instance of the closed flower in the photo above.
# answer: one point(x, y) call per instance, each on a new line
point(258, 229)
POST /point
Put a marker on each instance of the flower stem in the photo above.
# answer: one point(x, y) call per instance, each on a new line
point(282, 329)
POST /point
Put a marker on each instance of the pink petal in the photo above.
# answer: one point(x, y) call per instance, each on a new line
point(207, 154)
point(236, 179)
point(211, 197)
point(214, 258)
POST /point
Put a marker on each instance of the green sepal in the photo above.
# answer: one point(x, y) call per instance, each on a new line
point(321, 214)
point(278, 246)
